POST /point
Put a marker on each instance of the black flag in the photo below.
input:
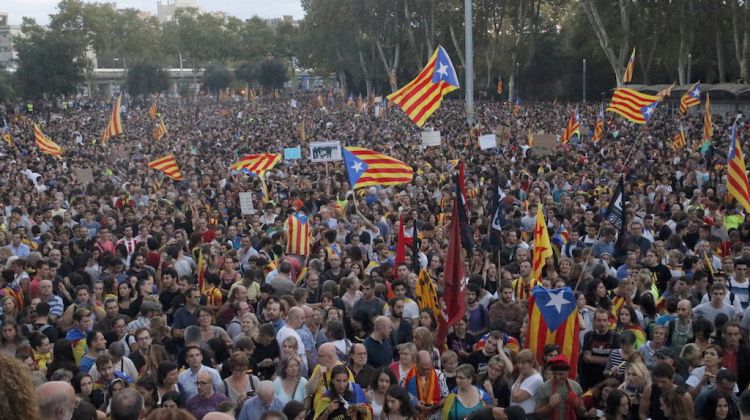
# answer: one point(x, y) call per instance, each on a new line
point(616, 212)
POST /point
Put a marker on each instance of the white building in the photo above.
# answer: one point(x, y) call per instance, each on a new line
point(7, 32)
point(165, 11)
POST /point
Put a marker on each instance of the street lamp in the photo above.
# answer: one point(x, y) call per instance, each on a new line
point(584, 80)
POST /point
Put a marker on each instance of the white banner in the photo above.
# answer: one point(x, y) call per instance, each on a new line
point(430, 138)
point(246, 203)
point(325, 151)
point(487, 141)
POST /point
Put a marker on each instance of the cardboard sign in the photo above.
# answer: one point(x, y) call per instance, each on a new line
point(503, 135)
point(325, 151)
point(246, 203)
point(544, 144)
point(293, 103)
point(84, 175)
point(292, 153)
point(487, 141)
point(430, 138)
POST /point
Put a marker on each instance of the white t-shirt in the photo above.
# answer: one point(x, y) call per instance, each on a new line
point(530, 385)
point(697, 374)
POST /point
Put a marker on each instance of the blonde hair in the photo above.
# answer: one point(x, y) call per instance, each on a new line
point(640, 369)
point(526, 356)
point(448, 356)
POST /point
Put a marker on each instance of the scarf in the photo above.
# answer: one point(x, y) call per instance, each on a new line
point(568, 408)
point(358, 398)
point(427, 390)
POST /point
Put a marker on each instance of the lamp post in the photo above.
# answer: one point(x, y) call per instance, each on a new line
point(689, 69)
point(469, 63)
point(584, 80)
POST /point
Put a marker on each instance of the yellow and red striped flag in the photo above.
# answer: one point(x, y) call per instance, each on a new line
point(679, 141)
point(554, 320)
point(257, 164)
point(160, 130)
point(499, 86)
point(629, 69)
point(359, 104)
point(168, 165)
point(114, 128)
point(6, 133)
point(302, 136)
point(542, 246)
point(708, 128)
point(691, 98)
point(45, 144)
point(572, 129)
point(368, 168)
point(422, 96)
point(297, 234)
point(153, 112)
point(634, 106)
point(426, 294)
point(599, 125)
point(737, 183)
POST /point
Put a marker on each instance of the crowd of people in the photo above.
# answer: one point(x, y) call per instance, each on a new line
point(126, 294)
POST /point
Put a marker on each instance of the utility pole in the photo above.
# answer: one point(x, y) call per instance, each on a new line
point(469, 59)
point(584, 80)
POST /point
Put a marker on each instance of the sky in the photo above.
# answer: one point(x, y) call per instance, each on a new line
point(243, 9)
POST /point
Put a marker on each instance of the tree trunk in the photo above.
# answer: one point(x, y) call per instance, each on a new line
point(457, 46)
point(616, 61)
point(389, 67)
point(410, 35)
point(741, 36)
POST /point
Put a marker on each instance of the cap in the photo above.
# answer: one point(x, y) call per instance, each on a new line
point(559, 363)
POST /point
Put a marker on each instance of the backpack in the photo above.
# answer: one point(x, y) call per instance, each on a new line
point(344, 357)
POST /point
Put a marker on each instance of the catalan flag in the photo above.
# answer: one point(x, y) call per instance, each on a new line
point(708, 128)
point(153, 112)
point(554, 320)
point(542, 246)
point(737, 183)
point(114, 128)
point(321, 101)
point(297, 234)
point(350, 99)
point(634, 106)
point(666, 92)
point(302, 136)
point(691, 98)
point(392, 77)
point(257, 164)
point(368, 168)
point(160, 130)
point(499, 86)
point(359, 103)
point(422, 96)
point(517, 107)
point(629, 69)
point(45, 144)
point(679, 141)
point(426, 294)
point(168, 165)
point(599, 126)
point(6, 133)
point(572, 129)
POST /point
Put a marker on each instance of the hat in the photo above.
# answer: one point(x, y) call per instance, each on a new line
point(559, 363)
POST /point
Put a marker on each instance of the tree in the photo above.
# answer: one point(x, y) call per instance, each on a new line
point(144, 78)
point(217, 78)
point(49, 63)
point(272, 73)
point(7, 90)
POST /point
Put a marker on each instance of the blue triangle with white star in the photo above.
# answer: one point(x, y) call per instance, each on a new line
point(444, 70)
point(355, 167)
point(555, 305)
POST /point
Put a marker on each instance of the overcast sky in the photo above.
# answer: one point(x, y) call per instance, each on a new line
point(243, 9)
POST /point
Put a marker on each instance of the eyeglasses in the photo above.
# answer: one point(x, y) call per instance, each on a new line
point(202, 382)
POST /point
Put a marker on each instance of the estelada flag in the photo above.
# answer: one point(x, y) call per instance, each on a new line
point(554, 320)
point(427, 293)
point(297, 234)
point(153, 112)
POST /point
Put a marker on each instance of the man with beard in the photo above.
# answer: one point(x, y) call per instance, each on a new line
point(402, 330)
point(597, 344)
point(411, 309)
point(513, 313)
point(479, 358)
point(478, 317)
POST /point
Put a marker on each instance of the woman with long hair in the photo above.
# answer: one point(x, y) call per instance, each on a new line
point(16, 379)
point(288, 383)
point(124, 297)
point(398, 405)
point(627, 320)
point(423, 339)
point(241, 384)
point(208, 330)
point(619, 359)
point(496, 380)
point(718, 406)
point(383, 379)
point(290, 347)
point(407, 358)
point(703, 378)
point(155, 356)
point(528, 381)
point(466, 399)
point(618, 406)
point(249, 327)
point(10, 309)
point(344, 399)
point(427, 319)
point(673, 406)
point(637, 378)
point(62, 358)
point(84, 388)
point(11, 338)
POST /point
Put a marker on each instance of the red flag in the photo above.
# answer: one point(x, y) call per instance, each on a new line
point(400, 245)
point(454, 295)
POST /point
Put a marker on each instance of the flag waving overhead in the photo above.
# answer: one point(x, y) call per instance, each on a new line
point(45, 144)
point(737, 183)
point(616, 211)
point(153, 112)
point(114, 128)
point(634, 106)
point(629, 69)
point(554, 320)
point(6, 133)
point(599, 125)
point(572, 129)
point(708, 128)
point(298, 234)
point(367, 168)
point(499, 86)
point(517, 107)
point(542, 247)
point(257, 164)
point(168, 165)
point(160, 130)
point(678, 142)
point(423, 95)
point(691, 98)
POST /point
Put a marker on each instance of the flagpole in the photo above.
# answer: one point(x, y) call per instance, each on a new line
point(469, 59)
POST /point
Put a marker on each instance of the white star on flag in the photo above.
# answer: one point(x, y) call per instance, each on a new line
point(557, 300)
point(357, 167)
point(442, 70)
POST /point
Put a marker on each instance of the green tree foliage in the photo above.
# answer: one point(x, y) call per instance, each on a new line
point(144, 78)
point(272, 73)
point(49, 63)
point(217, 78)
